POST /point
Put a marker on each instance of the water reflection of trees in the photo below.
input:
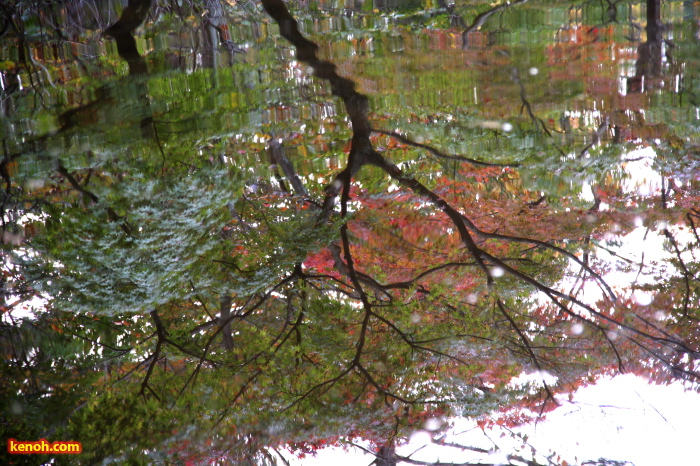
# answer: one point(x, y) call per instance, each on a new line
point(349, 306)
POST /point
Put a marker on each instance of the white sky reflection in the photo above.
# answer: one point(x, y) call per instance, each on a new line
point(623, 418)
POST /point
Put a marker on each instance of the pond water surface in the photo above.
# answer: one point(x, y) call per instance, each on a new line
point(232, 226)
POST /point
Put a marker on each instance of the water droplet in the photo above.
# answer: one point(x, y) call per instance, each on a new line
point(32, 184)
point(12, 238)
point(533, 71)
point(421, 437)
point(643, 190)
point(472, 298)
point(643, 298)
point(507, 127)
point(497, 272)
point(433, 424)
point(16, 408)
point(415, 317)
point(577, 328)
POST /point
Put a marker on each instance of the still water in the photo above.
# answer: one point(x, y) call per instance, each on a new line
point(264, 224)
